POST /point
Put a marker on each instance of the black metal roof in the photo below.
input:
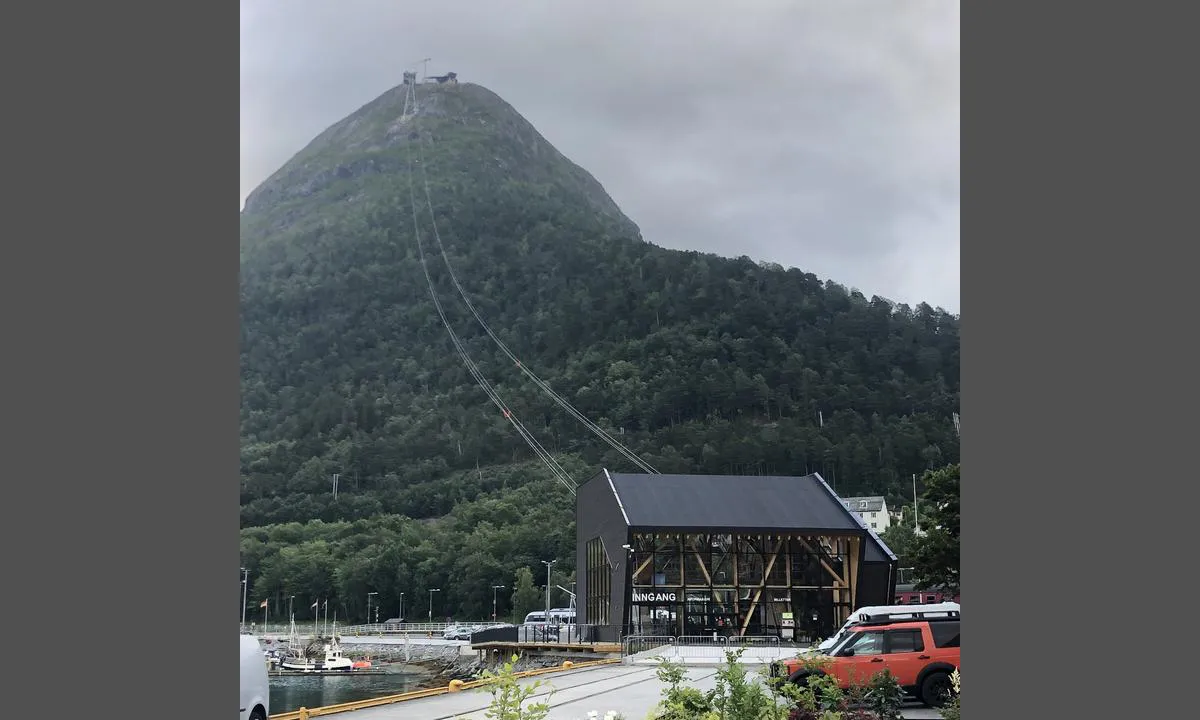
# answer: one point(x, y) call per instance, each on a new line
point(878, 551)
point(730, 502)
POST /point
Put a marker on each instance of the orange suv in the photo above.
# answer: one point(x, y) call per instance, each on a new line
point(921, 652)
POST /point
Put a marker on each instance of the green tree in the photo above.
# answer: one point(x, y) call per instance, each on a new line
point(525, 597)
point(901, 538)
point(936, 557)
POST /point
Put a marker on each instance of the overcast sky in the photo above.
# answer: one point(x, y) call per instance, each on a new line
point(817, 134)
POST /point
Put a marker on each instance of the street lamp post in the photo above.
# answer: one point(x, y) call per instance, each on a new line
point(494, 589)
point(548, 564)
point(369, 606)
point(401, 607)
point(431, 592)
point(245, 582)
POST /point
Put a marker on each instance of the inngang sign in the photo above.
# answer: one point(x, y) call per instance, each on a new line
point(653, 597)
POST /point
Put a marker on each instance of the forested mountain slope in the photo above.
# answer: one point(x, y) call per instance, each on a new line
point(696, 362)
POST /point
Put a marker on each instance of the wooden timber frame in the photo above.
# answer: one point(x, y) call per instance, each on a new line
point(686, 562)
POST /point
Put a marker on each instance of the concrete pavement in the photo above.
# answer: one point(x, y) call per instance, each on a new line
point(632, 690)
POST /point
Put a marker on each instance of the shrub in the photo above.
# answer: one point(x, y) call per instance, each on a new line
point(679, 702)
point(950, 711)
point(884, 696)
point(509, 696)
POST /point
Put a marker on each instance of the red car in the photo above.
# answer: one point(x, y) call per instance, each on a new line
point(920, 652)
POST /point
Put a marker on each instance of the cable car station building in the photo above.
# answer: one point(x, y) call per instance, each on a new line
point(733, 555)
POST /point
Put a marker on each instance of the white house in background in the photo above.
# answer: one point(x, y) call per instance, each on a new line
point(873, 511)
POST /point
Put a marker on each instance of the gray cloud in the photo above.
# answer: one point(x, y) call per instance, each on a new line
point(822, 135)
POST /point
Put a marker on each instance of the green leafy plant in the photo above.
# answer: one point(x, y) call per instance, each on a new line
point(509, 696)
point(884, 696)
point(950, 711)
point(738, 697)
point(679, 701)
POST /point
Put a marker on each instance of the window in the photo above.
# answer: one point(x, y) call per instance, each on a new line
point(599, 583)
point(867, 643)
point(945, 634)
point(872, 524)
point(904, 641)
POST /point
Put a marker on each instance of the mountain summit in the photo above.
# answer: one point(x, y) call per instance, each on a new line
point(697, 363)
point(477, 142)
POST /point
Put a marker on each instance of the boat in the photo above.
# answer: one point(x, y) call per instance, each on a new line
point(308, 657)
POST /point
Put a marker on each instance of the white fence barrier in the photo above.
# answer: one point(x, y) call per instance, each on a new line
point(754, 648)
point(306, 629)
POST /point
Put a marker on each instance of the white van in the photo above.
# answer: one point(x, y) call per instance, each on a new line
point(895, 610)
point(558, 616)
point(256, 686)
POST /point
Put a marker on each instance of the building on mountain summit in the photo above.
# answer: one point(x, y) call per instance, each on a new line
point(733, 555)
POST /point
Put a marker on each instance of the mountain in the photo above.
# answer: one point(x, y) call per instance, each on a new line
point(697, 363)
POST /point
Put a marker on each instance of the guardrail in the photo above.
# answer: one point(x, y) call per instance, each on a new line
point(396, 628)
point(368, 629)
point(454, 686)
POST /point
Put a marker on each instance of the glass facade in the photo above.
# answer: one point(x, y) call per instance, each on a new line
point(789, 585)
point(599, 583)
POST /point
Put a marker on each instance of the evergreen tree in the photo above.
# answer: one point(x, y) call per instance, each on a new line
point(936, 558)
point(525, 597)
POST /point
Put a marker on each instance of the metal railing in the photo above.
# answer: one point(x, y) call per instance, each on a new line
point(369, 629)
point(749, 641)
point(636, 644)
point(700, 645)
point(754, 647)
point(555, 634)
point(395, 628)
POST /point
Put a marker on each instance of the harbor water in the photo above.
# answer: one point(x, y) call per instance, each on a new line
point(291, 692)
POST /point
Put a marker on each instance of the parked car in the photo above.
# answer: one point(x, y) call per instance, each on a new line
point(921, 652)
point(255, 685)
point(896, 612)
point(457, 632)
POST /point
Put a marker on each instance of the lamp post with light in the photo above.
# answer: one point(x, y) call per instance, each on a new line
point(494, 589)
point(431, 592)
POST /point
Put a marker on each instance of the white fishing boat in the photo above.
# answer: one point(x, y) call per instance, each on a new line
point(317, 655)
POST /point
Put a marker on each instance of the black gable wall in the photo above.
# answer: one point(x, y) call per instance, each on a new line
point(597, 514)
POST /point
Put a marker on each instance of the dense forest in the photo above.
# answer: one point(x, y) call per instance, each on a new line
point(697, 363)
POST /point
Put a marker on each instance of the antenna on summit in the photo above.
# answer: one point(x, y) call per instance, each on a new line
point(425, 68)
